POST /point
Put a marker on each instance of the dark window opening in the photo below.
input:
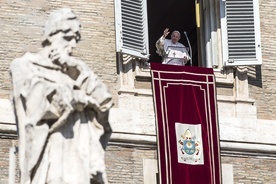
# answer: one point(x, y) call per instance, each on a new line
point(175, 15)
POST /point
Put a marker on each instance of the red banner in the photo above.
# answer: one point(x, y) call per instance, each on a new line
point(187, 126)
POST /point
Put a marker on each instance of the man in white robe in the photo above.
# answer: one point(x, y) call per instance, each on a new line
point(172, 51)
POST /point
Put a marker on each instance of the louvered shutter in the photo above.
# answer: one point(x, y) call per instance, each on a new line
point(131, 27)
point(241, 32)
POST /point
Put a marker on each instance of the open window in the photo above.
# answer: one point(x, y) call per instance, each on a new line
point(240, 25)
point(175, 15)
point(140, 23)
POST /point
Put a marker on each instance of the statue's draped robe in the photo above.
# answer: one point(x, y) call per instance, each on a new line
point(43, 95)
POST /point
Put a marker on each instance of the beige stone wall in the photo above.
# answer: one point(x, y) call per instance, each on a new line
point(249, 170)
point(5, 145)
point(125, 165)
point(262, 79)
point(22, 25)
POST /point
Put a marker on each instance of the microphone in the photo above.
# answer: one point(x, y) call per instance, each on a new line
point(191, 53)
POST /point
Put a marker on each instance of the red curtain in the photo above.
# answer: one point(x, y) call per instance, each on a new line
point(187, 126)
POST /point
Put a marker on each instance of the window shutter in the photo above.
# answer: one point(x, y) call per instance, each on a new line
point(241, 32)
point(131, 27)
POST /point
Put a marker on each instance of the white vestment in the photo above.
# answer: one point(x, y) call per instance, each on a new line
point(172, 53)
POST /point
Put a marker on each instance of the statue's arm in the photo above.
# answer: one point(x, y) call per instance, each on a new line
point(99, 100)
point(31, 137)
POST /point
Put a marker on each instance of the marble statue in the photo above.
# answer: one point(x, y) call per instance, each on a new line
point(61, 109)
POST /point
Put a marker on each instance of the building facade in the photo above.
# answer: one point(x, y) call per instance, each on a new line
point(237, 39)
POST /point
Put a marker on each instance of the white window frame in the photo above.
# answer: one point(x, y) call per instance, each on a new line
point(225, 51)
point(140, 35)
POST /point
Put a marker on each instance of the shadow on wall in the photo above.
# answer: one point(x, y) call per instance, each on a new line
point(255, 76)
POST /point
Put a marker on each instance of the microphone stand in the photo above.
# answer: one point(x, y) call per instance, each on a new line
point(191, 53)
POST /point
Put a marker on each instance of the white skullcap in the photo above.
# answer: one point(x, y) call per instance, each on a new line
point(175, 31)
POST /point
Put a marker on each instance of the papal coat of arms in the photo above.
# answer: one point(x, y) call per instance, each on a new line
point(189, 140)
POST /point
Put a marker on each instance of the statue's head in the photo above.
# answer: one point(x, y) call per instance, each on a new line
point(61, 22)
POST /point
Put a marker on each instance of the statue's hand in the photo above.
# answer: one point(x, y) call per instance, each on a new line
point(58, 57)
point(68, 64)
point(62, 58)
point(80, 100)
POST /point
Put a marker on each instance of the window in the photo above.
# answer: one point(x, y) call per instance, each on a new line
point(240, 26)
point(131, 27)
point(140, 23)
